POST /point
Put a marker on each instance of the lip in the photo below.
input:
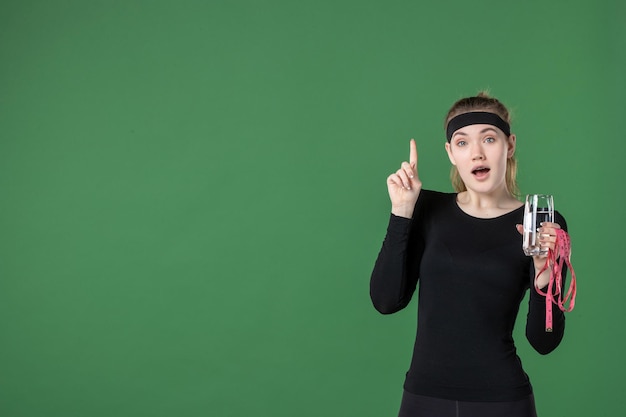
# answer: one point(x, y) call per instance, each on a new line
point(479, 167)
point(478, 174)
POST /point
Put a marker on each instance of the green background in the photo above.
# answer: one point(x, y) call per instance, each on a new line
point(193, 195)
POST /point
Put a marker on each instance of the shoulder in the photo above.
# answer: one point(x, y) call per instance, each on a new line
point(430, 197)
point(433, 201)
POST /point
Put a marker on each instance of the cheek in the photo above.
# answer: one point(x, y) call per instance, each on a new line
point(500, 155)
point(451, 155)
point(459, 154)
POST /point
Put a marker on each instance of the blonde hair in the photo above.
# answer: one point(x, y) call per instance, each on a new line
point(483, 102)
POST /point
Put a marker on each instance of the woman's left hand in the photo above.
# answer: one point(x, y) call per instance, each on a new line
point(547, 239)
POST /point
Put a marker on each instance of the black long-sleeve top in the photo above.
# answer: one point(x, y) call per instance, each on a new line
point(472, 275)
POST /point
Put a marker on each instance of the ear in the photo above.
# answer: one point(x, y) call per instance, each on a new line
point(449, 151)
point(511, 146)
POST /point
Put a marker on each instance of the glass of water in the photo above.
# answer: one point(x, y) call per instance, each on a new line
point(537, 209)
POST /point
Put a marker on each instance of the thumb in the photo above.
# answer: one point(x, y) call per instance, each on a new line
point(520, 228)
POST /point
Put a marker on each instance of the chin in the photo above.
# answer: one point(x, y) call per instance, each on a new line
point(483, 188)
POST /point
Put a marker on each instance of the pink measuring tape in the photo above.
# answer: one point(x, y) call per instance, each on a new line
point(554, 294)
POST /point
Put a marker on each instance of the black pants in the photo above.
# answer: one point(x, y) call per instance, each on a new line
point(420, 406)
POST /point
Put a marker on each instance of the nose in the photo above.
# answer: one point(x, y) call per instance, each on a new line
point(477, 153)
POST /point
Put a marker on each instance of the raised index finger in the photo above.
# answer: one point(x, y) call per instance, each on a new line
point(413, 153)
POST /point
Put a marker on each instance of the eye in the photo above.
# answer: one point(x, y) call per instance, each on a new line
point(490, 139)
point(461, 143)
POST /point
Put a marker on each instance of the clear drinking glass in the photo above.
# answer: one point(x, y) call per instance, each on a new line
point(537, 209)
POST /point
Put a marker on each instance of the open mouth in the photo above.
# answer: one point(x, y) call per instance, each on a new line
point(480, 171)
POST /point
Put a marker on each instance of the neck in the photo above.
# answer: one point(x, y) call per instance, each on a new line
point(500, 198)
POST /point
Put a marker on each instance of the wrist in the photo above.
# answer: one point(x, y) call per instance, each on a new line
point(541, 280)
point(402, 211)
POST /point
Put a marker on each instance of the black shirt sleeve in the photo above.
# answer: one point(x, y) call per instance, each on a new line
point(396, 270)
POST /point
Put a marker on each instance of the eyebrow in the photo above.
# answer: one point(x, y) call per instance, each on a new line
point(481, 132)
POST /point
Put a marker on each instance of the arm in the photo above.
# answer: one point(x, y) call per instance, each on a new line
point(394, 278)
point(542, 341)
point(395, 273)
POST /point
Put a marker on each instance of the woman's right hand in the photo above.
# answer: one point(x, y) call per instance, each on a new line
point(404, 186)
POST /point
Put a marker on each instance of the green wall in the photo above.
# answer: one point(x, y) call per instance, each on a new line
point(193, 195)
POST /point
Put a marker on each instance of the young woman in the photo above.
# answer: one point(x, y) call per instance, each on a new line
point(465, 251)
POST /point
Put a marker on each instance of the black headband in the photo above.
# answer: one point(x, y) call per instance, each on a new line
point(476, 118)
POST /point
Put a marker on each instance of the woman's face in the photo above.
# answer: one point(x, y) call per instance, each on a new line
point(480, 153)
